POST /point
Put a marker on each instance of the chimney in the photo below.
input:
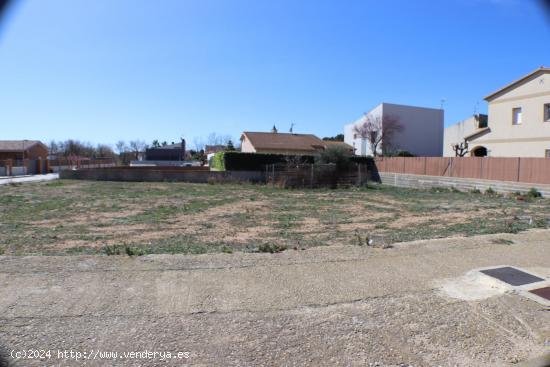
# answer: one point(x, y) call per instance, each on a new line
point(274, 130)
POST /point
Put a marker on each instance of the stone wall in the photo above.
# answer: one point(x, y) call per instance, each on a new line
point(463, 184)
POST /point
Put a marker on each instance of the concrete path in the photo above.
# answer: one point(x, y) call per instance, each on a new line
point(324, 306)
point(31, 178)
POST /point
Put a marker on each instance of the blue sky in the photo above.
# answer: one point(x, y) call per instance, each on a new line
point(106, 70)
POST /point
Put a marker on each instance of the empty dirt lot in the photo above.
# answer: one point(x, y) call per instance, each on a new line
point(202, 288)
point(83, 217)
point(337, 305)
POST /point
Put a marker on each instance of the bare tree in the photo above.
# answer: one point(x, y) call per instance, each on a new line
point(121, 147)
point(53, 147)
point(378, 131)
point(104, 151)
point(198, 144)
point(137, 146)
point(215, 139)
point(460, 149)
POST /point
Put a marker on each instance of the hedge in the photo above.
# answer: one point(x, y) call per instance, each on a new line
point(237, 161)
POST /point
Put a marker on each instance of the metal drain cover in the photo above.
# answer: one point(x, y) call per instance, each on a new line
point(512, 276)
point(542, 292)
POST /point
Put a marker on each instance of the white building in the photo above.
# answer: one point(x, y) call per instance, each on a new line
point(421, 130)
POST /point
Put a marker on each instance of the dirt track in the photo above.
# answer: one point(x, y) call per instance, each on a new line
point(344, 305)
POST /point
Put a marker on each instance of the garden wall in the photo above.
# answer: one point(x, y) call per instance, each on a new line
point(149, 174)
point(463, 184)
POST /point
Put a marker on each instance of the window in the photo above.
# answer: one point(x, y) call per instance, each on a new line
point(547, 112)
point(547, 153)
point(516, 116)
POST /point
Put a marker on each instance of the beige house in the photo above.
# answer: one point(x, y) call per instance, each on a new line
point(283, 143)
point(518, 123)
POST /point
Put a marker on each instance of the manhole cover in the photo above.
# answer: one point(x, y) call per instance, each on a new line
point(542, 292)
point(512, 276)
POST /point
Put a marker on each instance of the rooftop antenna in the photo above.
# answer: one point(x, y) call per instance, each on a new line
point(291, 127)
point(443, 101)
point(476, 107)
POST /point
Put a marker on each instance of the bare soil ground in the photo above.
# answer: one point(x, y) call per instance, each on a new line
point(80, 217)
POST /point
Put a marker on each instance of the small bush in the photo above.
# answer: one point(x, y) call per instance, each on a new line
point(133, 251)
point(271, 248)
point(120, 249)
point(111, 250)
point(475, 191)
point(227, 249)
point(237, 161)
point(336, 154)
point(490, 191)
point(533, 193)
point(217, 162)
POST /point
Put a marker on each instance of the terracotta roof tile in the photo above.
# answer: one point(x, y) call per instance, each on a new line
point(284, 141)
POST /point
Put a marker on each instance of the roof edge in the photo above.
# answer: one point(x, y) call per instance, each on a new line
point(514, 83)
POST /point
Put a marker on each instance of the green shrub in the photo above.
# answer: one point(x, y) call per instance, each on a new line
point(217, 162)
point(533, 193)
point(490, 191)
point(133, 251)
point(227, 249)
point(271, 248)
point(112, 250)
point(338, 155)
point(237, 161)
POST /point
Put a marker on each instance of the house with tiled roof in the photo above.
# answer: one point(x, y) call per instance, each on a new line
point(22, 149)
point(281, 143)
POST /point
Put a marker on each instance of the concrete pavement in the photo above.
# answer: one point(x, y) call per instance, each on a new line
point(26, 179)
point(329, 305)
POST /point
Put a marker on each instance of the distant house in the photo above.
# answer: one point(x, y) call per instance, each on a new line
point(518, 123)
point(170, 152)
point(281, 143)
point(22, 149)
point(335, 143)
point(210, 149)
point(421, 130)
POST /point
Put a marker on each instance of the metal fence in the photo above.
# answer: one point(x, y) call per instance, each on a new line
point(316, 175)
point(529, 170)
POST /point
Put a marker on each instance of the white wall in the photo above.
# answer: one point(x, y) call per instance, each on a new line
point(455, 134)
point(361, 146)
point(422, 132)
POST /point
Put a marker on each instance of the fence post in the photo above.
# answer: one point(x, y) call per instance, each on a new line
point(451, 167)
point(358, 174)
point(403, 165)
point(481, 169)
point(311, 177)
point(519, 171)
point(425, 166)
point(9, 165)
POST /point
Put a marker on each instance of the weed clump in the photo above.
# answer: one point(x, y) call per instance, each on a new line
point(121, 249)
point(271, 248)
